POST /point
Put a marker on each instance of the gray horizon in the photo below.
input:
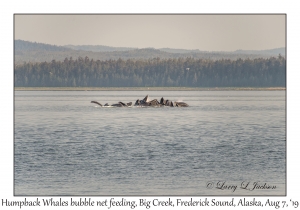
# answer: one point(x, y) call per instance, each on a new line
point(190, 32)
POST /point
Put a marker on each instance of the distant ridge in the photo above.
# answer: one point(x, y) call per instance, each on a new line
point(171, 50)
point(103, 48)
point(275, 51)
point(26, 51)
point(21, 45)
point(98, 48)
point(32, 46)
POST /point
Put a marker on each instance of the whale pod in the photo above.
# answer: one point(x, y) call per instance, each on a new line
point(145, 102)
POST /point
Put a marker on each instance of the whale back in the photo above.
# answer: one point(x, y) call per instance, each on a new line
point(181, 104)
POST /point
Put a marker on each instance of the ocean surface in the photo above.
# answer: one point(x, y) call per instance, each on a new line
point(225, 143)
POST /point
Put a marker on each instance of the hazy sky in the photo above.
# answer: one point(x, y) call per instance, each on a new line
point(203, 32)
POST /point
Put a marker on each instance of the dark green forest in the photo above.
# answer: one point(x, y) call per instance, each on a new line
point(155, 72)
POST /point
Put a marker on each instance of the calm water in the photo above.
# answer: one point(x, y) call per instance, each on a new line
point(65, 145)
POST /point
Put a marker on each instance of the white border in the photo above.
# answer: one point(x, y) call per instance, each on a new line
point(8, 8)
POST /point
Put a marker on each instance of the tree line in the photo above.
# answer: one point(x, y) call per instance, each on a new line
point(154, 72)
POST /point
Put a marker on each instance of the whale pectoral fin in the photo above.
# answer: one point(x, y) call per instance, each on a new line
point(146, 98)
point(96, 102)
point(122, 103)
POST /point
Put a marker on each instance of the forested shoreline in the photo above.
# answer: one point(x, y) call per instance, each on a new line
point(154, 72)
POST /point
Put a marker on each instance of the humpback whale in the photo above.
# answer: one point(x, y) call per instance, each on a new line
point(119, 104)
point(181, 104)
point(162, 101)
point(144, 102)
